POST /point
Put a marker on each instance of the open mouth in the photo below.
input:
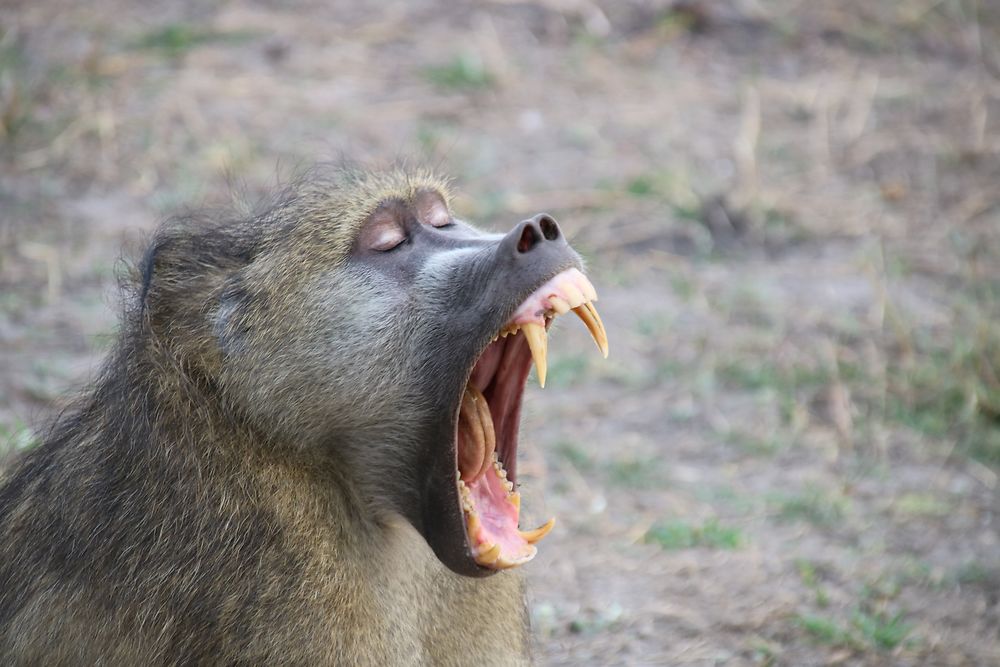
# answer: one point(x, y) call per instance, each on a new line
point(489, 416)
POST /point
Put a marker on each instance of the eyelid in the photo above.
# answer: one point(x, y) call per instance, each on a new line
point(388, 237)
point(438, 217)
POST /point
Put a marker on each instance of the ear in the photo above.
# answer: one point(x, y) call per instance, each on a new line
point(147, 267)
point(229, 324)
point(189, 257)
point(431, 208)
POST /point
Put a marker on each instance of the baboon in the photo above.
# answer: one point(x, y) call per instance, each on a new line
point(302, 449)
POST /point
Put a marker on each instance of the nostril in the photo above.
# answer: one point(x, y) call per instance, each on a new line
point(550, 230)
point(529, 238)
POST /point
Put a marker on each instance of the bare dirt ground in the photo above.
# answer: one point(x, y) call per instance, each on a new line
point(791, 214)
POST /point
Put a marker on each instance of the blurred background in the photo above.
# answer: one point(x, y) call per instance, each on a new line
point(791, 212)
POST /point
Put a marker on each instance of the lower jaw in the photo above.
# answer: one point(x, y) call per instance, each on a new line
point(487, 456)
point(491, 508)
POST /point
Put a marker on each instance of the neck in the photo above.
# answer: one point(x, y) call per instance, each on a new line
point(287, 514)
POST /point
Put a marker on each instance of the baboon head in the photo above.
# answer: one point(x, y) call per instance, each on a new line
point(360, 318)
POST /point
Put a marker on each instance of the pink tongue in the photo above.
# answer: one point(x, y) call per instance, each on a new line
point(498, 517)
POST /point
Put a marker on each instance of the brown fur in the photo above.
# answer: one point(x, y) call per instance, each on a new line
point(185, 512)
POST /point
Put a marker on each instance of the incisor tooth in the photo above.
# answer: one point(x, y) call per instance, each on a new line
point(503, 564)
point(573, 294)
point(589, 315)
point(538, 342)
point(532, 536)
point(515, 499)
point(488, 556)
point(558, 304)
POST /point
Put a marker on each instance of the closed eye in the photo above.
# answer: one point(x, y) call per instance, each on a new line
point(433, 212)
point(387, 238)
point(440, 219)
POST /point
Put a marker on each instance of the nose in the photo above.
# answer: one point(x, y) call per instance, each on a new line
point(533, 237)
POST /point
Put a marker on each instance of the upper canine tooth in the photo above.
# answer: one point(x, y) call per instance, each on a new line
point(538, 342)
point(558, 304)
point(532, 536)
point(589, 315)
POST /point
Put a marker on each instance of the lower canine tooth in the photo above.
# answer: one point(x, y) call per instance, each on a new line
point(532, 536)
point(538, 342)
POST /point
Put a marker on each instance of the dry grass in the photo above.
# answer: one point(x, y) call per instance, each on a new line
point(790, 211)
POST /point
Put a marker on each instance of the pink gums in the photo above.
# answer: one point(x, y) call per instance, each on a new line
point(537, 304)
point(498, 519)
